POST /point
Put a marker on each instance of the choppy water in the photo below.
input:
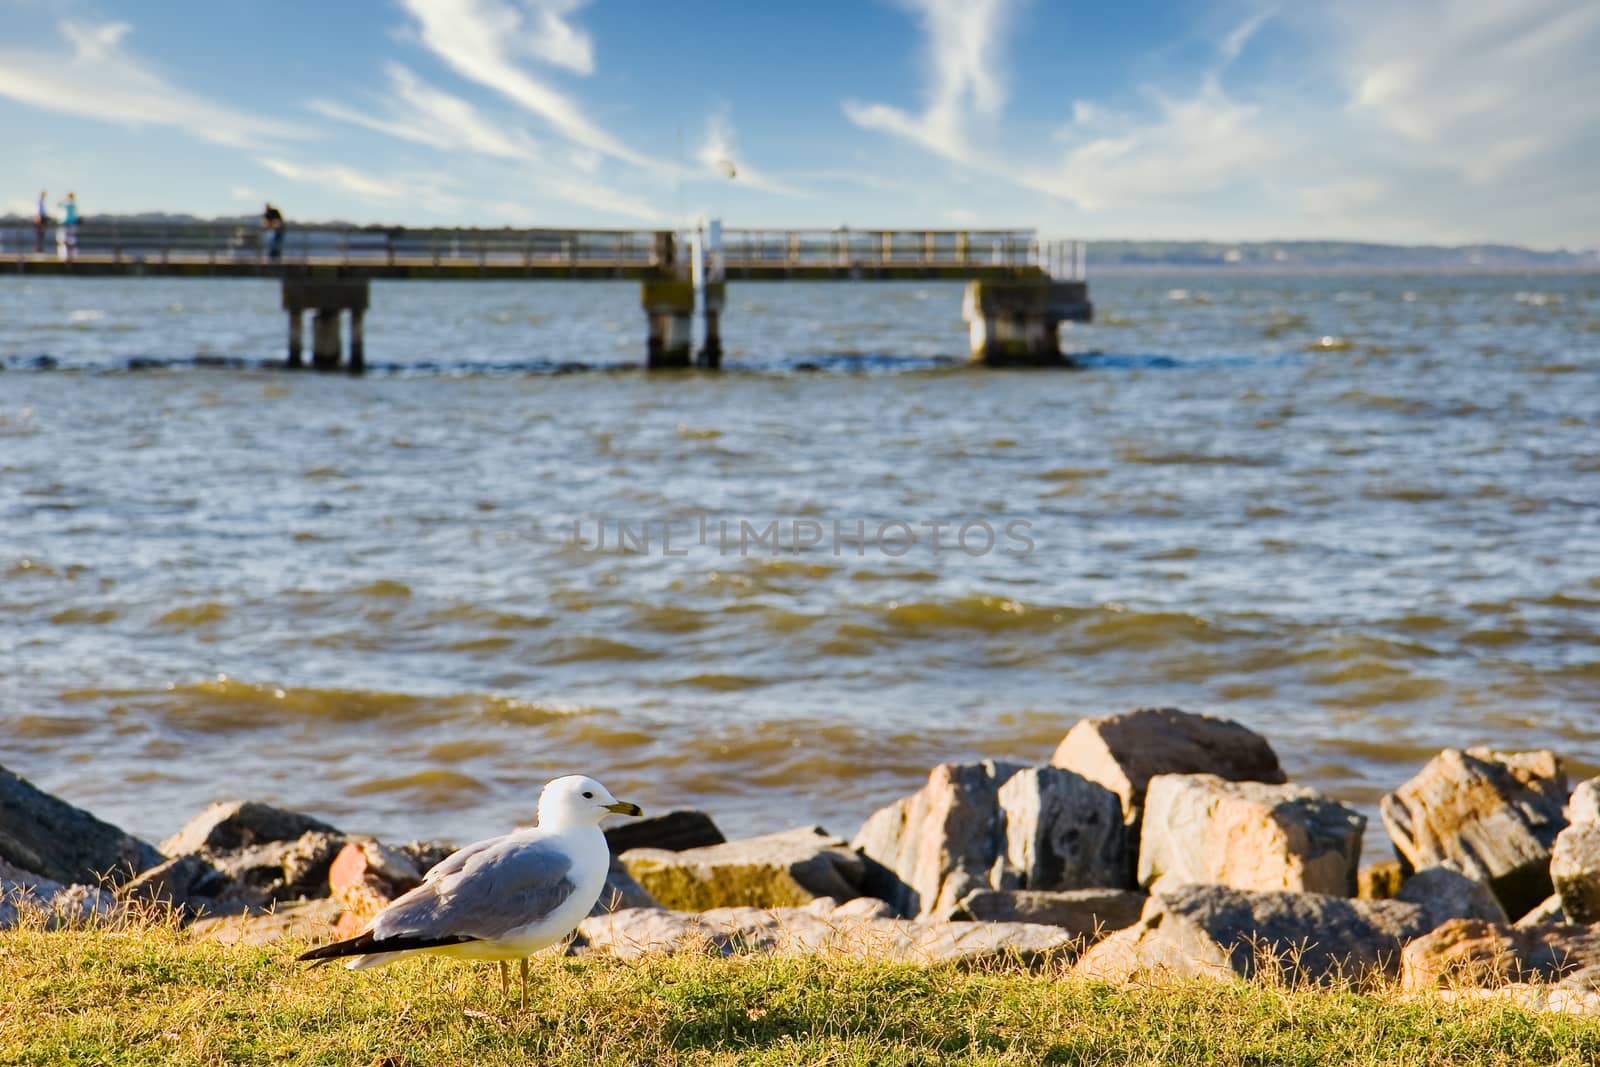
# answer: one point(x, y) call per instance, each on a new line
point(1357, 513)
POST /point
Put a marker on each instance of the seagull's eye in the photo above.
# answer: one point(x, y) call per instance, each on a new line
point(588, 796)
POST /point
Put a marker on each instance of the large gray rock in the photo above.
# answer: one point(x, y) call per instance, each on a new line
point(674, 831)
point(1210, 930)
point(426, 854)
point(1495, 815)
point(932, 848)
point(993, 825)
point(189, 885)
point(772, 871)
point(1575, 871)
point(1062, 831)
point(240, 824)
point(56, 904)
point(1548, 913)
point(1474, 952)
point(1583, 806)
point(1199, 828)
point(305, 921)
point(1445, 893)
point(818, 929)
point(278, 871)
point(621, 892)
point(248, 879)
point(1123, 752)
point(47, 836)
point(1087, 914)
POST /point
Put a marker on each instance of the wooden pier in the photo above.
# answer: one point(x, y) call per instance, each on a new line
point(1020, 288)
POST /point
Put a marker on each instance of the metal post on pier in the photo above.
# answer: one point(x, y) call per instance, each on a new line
point(711, 290)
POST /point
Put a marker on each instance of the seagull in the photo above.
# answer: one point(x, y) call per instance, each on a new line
point(504, 898)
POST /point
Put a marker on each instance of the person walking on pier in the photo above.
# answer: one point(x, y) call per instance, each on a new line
point(272, 222)
point(41, 219)
point(67, 232)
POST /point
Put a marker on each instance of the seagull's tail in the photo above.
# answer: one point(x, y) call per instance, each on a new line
point(373, 951)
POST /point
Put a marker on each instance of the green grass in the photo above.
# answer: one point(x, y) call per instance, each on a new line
point(153, 995)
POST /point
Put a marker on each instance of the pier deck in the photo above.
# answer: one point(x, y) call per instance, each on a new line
point(211, 250)
point(1019, 289)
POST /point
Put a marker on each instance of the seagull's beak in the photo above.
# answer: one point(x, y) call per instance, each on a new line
point(622, 807)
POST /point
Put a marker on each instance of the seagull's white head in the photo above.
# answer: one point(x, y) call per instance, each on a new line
point(578, 799)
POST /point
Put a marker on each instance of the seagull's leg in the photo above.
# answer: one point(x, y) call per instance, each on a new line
point(524, 983)
point(505, 980)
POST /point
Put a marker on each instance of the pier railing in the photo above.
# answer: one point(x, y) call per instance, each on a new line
point(745, 251)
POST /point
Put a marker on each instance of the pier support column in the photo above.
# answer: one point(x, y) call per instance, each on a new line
point(711, 352)
point(326, 348)
point(358, 348)
point(1013, 323)
point(669, 313)
point(326, 299)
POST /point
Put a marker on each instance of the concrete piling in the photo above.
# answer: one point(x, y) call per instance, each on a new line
point(326, 349)
point(358, 354)
point(1015, 322)
point(713, 295)
point(297, 333)
point(327, 299)
point(669, 315)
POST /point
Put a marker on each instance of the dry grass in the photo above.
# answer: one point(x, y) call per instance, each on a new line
point(148, 993)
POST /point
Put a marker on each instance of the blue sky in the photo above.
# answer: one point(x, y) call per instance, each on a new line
point(1391, 120)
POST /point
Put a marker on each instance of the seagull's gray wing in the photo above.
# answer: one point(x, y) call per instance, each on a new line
point(492, 891)
point(457, 859)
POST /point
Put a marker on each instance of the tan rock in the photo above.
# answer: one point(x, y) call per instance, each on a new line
point(809, 931)
point(276, 871)
point(932, 848)
point(241, 824)
point(1199, 828)
point(1495, 815)
point(1549, 913)
point(1380, 880)
point(1473, 952)
point(1123, 752)
point(621, 891)
point(1088, 914)
point(306, 920)
point(993, 825)
point(1583, 806)
point(1445, 893)
point(674, 831)
point(1062, 832)
point(1575, 871)
point(365, 877)
point(188, 884)
point(1217, 931)
point(1530, 996)
point(55, 904)
point(773, 871)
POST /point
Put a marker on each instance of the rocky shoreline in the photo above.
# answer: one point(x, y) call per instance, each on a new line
point(1155, 841)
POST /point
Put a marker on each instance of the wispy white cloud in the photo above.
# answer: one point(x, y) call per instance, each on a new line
point(1192, 145)
point(97, 77)
point(719, 155)
point(487, 40)
point(965, 40)
point(422, 114)
point(583, 193)
point(338, 176)
point(1432, 120)
point(1476, 85)
point(417, 112)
